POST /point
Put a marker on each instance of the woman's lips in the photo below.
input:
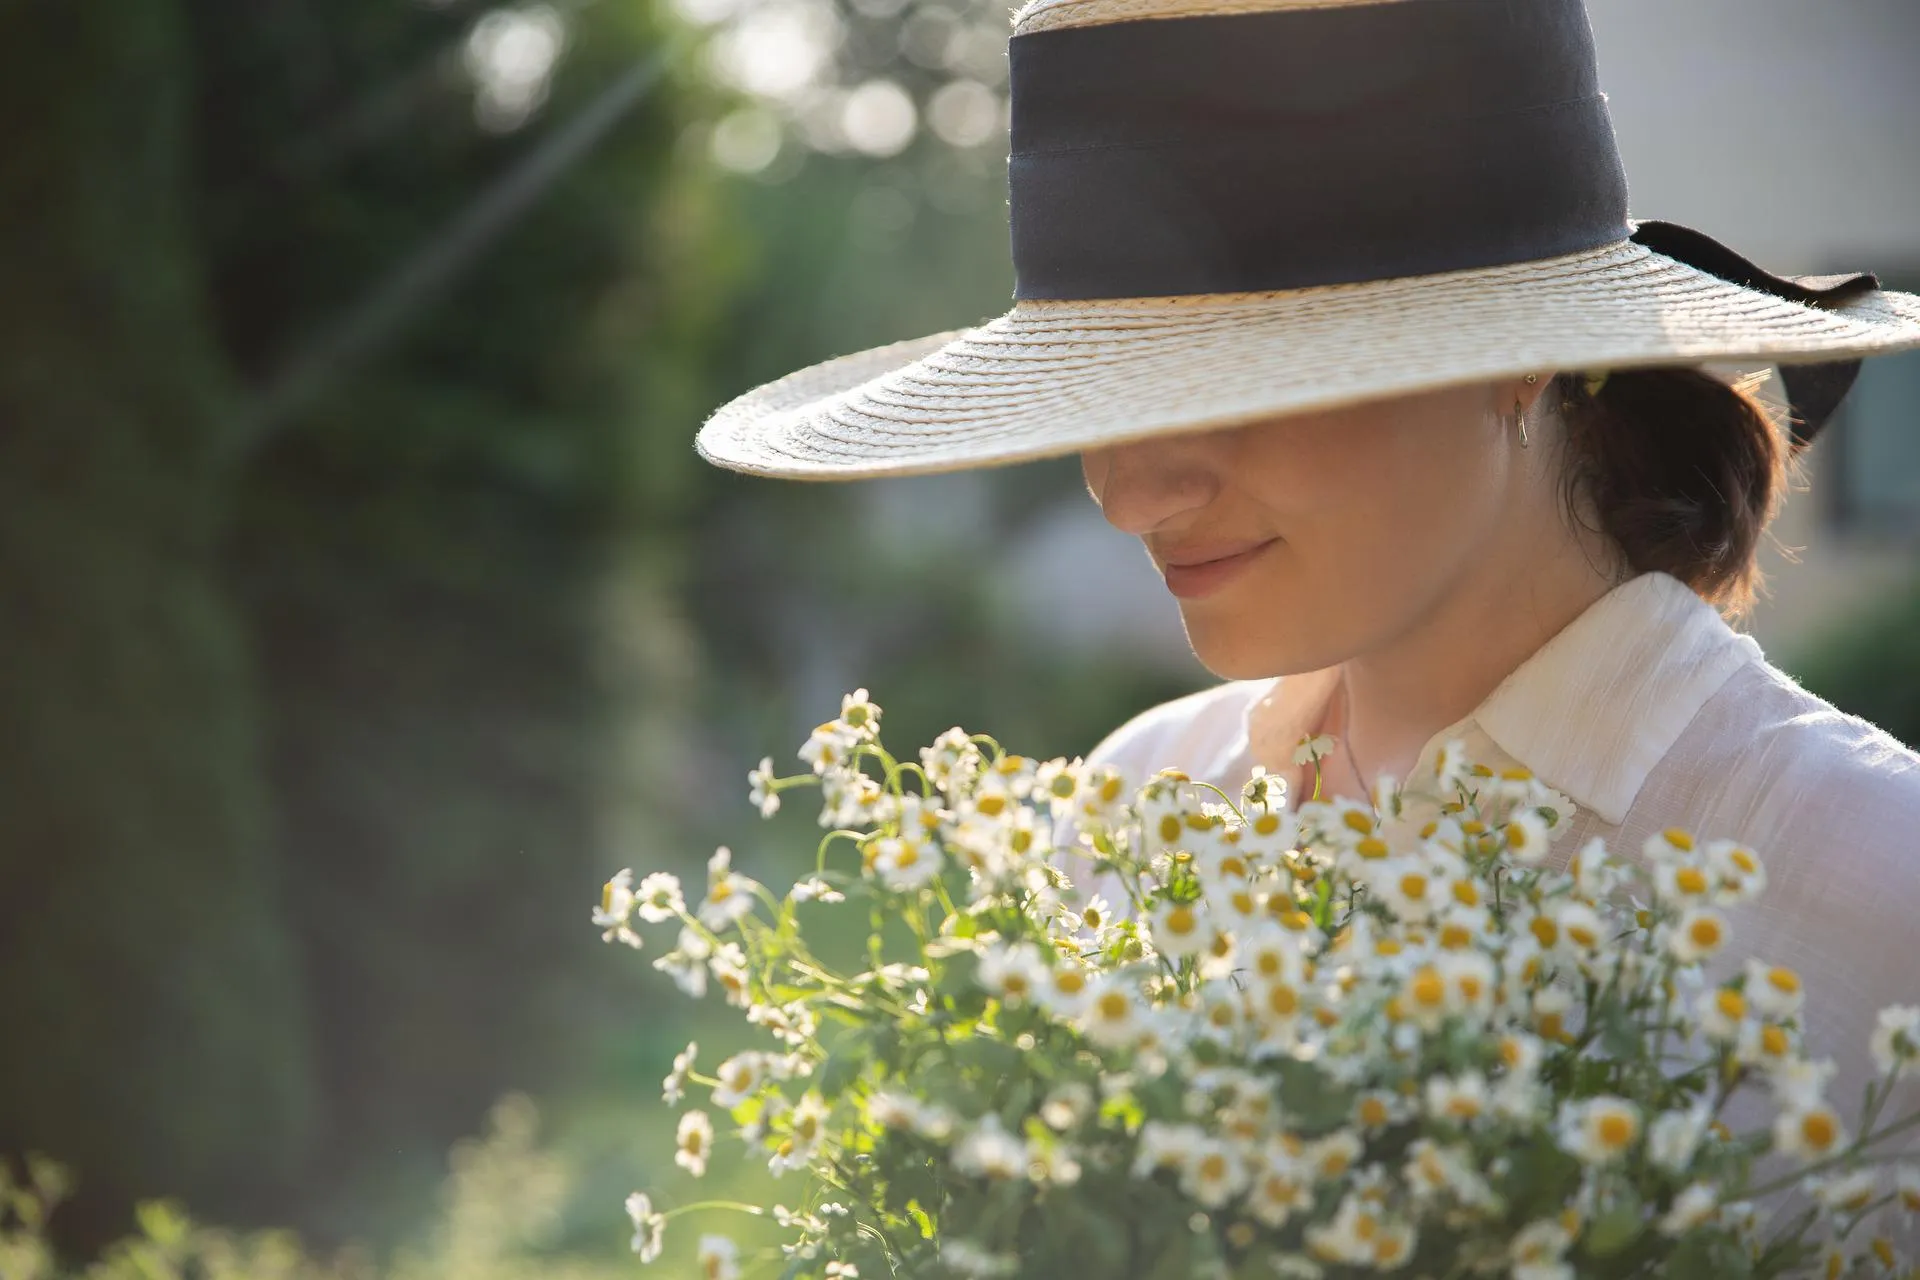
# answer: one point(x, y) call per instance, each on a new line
point(1196, 578)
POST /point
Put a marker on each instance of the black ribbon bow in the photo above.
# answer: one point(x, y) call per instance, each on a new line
point(1814, 391)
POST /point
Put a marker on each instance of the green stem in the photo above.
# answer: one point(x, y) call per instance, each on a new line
point(739, 1206)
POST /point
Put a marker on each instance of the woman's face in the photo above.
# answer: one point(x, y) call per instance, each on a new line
point(1295, 543)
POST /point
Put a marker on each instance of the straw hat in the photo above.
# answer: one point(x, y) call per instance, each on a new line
point(1224, 210)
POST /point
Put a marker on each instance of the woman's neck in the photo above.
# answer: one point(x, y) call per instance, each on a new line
point(1399, 695)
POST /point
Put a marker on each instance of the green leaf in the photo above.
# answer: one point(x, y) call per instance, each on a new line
point(842, 1067)
point(921, 1217)
point(1615, 1229)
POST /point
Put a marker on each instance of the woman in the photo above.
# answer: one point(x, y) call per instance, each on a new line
point(1339, 302)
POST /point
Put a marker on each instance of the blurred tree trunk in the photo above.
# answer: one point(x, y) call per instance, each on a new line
point(138, 901)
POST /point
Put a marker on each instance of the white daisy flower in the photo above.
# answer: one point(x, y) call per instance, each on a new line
point(1741, 874)
point(1698, 936)
point(729, 894)
point(718, 1258)
point(1668, 845)
point(1895, 1043)
point(760, 789)
point(1113, 1015)
point(729, 966)
point(648, 1226)
point(1214, 1173)
point(1067, 990)
point(1528, 836)
point(1694, 1207)
point(1682, 882)
point(830, 747)
point(1674, 1137)
point(693, 1143)
point(1906, 1187)
point(989, 1151)
point(1848, 1193)
point(1280, 1186)
point(659, 898)
point(1598, 1130)
point(1773, 990)
point(1809, 1133)
point(686, 964)
point(1580, 926)
point(1012, 974)
point(806, 1131)
point(1052, 1164)
point(739, 1078)
point(814, 889)
point(1799, 1083)
point(1722, 1013)
point(1264, 791)
point(1313, 749)
point(1460, 1099)
point(905, 865)
point(615, 912)
point(1449, 765)
point(859, 714)
point(674, 1087)
point(1539, 1250)
point(1180, 929)
point(1067, 1105)
point(1410, 888)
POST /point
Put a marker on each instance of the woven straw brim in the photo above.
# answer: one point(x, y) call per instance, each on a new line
point(1051, 378)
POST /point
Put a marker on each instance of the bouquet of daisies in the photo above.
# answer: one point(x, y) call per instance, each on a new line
point(1160, 1032)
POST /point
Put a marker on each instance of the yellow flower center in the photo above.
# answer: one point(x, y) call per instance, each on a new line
point(1785, 981)
point(1679, 839)
point(1731, 1004)
point(1818, 1130)
point(1615, 1130)
point(1690, 880)
point(1773, 1041)
point(1282, 1000)
point(1413, 885)
point(1266, 824)
point(1181, 921)
point(1169, 829)
point(1705, 932)
point(1372, 848)
point(1455, 937)
point(1069, 981)
point(1545, 931)
point(1427, 988)
point(1372, 1113)
point(1114, 1006)
point(1357, 821)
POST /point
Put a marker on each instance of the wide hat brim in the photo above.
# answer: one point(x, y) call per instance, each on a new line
point(1056, 377)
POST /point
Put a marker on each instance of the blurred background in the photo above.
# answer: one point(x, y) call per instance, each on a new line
point(363, 604)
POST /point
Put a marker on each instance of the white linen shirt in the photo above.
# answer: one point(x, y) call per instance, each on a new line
point(1650, 712)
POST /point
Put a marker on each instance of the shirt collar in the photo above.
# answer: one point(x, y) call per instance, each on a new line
point(1597, 707)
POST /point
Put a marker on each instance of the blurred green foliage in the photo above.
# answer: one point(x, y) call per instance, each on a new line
point(328, 712)
point(305, 728)
point(1870, 665)
point(507, 1211)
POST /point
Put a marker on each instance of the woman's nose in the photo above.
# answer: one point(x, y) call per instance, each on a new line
point(1144, 485)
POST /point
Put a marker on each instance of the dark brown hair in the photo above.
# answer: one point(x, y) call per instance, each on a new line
point(1680, 470)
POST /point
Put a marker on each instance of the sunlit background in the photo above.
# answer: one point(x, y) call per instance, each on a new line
point(363, 604)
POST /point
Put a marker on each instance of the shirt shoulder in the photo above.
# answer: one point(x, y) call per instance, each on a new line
point(1197, 733)
point(1763, 723)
